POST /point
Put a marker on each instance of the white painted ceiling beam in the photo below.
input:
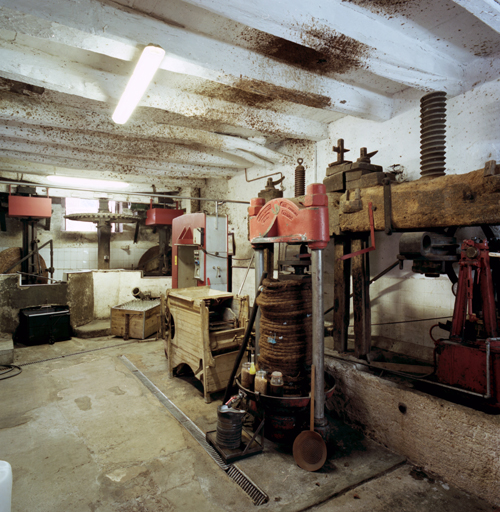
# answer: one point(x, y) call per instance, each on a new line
point(42, 185)
point(64, 157)
point(24, 168)
point(16, 107)
point(102, 143)
point(391, 53)
point(25, 64)
point(488, 11)
point(218, 61)
point(194, 174)
point(135, 183)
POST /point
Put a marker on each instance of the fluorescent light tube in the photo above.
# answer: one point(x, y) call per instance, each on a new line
point(86, 183)
point(144, 72)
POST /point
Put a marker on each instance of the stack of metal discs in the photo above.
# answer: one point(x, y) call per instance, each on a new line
point(229, 426)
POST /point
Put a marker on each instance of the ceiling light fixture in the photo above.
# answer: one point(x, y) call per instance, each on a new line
point(82, 182)
point(144, 72)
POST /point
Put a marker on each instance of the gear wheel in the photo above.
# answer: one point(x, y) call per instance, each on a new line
point(121, 218)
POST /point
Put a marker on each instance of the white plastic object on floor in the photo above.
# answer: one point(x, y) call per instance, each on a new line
point(5, 486)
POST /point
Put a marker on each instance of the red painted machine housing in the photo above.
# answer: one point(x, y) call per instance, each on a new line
point(282, 221)
point(26, 206)
point(461, 361)
point(182, 234)
point(162, 216)
point(465, 366)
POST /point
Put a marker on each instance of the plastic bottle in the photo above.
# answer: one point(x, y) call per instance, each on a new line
point(5, 486)
point(253, 370)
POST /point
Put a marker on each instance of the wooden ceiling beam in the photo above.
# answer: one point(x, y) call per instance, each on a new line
point(195, 54)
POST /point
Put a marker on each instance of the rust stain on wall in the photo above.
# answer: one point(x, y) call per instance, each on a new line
point(282, 93)
point(323, 51)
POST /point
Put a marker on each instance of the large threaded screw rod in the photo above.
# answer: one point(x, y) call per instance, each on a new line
point(300, 179)
point(433, 134)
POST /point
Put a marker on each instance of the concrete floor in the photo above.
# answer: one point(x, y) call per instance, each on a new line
point(83, 434)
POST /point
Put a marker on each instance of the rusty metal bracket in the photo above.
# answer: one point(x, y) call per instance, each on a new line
point(387, 205)
point(372, 235)
point(353, 205)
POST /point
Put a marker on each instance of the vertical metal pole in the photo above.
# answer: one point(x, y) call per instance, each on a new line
point(259, 270)
point(26, 247)
point(318, 340)
point(51, 259)
point(488, 376)
point(162, 252)
point(103, 245)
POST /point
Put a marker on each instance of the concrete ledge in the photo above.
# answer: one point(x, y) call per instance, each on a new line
point(94, 329)
point(6, 350)
point(459, 444)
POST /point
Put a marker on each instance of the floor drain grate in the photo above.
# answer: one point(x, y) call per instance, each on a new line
point(258, 496)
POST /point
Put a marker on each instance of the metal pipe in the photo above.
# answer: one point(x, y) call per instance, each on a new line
point(259, 272)
point(51, 257)
point(117, 192)
point(37, 275)
point(103, 246)
point(488, 377)
point(246, 274)
point(244, 343)
point(454, 388)
point(318, 336)
point(262, 177)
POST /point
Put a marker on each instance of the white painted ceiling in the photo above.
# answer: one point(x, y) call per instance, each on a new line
point(239, 77)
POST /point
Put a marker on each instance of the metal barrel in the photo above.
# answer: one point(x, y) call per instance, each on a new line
point(229, 426)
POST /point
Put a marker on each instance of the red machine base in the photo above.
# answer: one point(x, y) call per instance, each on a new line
point(464, 366)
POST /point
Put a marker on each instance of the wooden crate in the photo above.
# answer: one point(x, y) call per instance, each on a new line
point(191, 337)
point(135, 319)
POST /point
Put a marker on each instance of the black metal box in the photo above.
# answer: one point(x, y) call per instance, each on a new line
point(43, 325)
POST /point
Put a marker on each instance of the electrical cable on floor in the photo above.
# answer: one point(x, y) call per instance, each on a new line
point(5, 369)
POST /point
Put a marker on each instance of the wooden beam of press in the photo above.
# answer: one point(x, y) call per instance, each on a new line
point(341, 293)
point(453, 200)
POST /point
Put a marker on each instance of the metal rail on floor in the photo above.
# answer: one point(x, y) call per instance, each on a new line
point(258, 496)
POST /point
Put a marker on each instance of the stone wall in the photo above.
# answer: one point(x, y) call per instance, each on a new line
point(459, 444)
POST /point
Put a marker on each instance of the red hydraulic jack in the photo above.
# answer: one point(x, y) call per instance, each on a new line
point(470, 359)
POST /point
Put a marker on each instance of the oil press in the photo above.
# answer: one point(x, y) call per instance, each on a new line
point(281, 221)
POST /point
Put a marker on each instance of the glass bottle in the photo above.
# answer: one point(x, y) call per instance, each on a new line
point(276, 386)
point(246, 376)
point(261, 382)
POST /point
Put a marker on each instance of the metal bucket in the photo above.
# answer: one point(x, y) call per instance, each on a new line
point(229, 426)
